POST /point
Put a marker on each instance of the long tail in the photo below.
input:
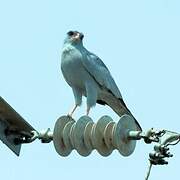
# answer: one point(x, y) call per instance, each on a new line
point(118, 106)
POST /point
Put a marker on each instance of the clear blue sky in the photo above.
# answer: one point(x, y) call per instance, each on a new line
point(139, 41)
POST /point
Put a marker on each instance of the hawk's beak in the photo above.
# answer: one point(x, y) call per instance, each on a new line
point(81, 36)
point(78, 36)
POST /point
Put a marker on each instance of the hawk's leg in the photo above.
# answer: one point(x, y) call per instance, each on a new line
point(72, 111)
point(91, 92)
point(78, 99)
point(87, 111)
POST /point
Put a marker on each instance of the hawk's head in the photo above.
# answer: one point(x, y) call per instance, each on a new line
point(74, 37)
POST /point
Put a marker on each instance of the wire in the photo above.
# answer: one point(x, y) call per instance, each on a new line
point(149, 170)
point(172, 144)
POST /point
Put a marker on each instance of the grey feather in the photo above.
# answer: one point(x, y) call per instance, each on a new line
point(100, 72)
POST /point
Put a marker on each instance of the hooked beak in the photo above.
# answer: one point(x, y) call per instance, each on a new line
point(78, 37)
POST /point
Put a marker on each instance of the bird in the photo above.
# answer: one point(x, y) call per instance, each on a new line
point(88, 76)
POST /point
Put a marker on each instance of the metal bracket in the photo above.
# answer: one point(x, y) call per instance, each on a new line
point(7, 138)
point(13, 127)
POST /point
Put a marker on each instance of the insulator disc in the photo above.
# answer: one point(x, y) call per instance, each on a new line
point(71, 135)
point(66, 136)
point(108, 135)
point(87, 135)
point(58, 140)
point(78, 136)
point(98, 136)
point(123, 143)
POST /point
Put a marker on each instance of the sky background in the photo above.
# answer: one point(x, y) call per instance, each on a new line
point(139, 41)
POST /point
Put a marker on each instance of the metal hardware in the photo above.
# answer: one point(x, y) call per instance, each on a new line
point(13, 128)
point(84, 135)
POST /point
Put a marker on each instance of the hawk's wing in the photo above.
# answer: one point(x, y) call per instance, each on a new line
point(98, 70)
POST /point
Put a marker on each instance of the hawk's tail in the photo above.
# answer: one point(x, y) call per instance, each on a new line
point(137, 123)
point(118, 105)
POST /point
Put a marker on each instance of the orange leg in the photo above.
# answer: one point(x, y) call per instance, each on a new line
point(72, 111)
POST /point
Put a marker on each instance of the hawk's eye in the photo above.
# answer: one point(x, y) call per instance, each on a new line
point(70, 33)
